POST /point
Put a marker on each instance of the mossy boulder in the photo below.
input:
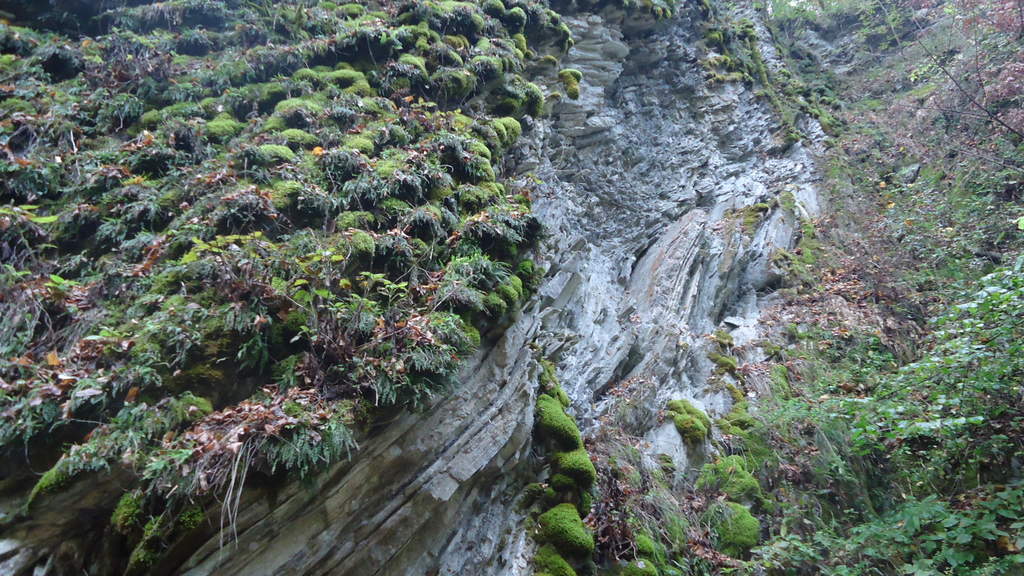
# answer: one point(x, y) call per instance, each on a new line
point(359, 143)
point(737, 529)
point(563, 528)
point(453, 84)
point(508, 130)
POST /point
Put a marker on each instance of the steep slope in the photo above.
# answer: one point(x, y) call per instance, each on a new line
point(647, 184)
point(665, 198)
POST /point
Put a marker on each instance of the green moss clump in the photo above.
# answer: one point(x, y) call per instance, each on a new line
point(645, 547)
point(296, 138)
point(681, 406)
point(691, 423)
point(730, 476)
point(555, 424)
point(307, 75)
point(127, 514)
point(520, 41)
point(752, 214)
point(715, 38)
point(495, 305)
point(359, 143)
point(547, 560)
point(534, 100)
point(354, 219)
point(508, 130)
point(563, 528)
point(531, 275)
point(515, 19)
point(640, 567)
point(511, 291)
point(294, 105)
point(271, 154)
point(737, 529)
point(562, 483)
point(352, 81)
point(453, 84)
point(53, 480)
point(725, 363)
point(577, 465)
point(690, 428)
point(738, 417)
point(191, 518)
point(570, 78)
point(223, 128)
point(141, 560)
point(723, 338)
point(416, 62)
point(352, 10)
point(362, 243)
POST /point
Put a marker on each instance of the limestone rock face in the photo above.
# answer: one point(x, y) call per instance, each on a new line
point(647, 182)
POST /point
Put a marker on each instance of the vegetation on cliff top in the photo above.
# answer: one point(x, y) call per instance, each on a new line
point(234, 233)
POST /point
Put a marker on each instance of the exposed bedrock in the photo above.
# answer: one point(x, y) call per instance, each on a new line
point(664, 200)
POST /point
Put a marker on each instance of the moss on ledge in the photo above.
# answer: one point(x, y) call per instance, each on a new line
point(563, 528)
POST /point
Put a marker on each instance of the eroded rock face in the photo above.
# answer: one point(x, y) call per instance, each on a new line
point(647, 184)
point(646, 179)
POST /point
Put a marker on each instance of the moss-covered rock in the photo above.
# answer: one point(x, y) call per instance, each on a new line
point(691, 423)
point(576, 465)
point(736, 528)
point(570, 79)
point(547, 560)
point(223, 127)
point(640, 567)
point(553, 423)
point(52, 481)
point(271, 155)
point(563, 528)
point(727, 364)
point(359, 143)
point(127, 516)
point(296, 138)
point(729, 476)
